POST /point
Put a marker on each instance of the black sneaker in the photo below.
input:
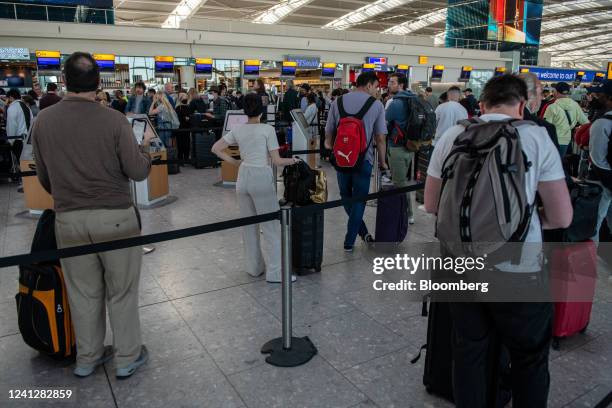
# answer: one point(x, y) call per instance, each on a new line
point(368, 239)
point(348, 248)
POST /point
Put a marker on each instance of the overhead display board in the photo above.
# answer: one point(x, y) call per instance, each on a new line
point(106, 62)
point(466, 73)
point(48, 61)
point(500, 71)
point(204, 67)
point(436, 73)
point(423, 59)
point(288, 69)
point(368, 67)
point(164, 65)
point(329, 70)
point(599, 77)
point(610, 70)
point(403, 69)
point(251, 69)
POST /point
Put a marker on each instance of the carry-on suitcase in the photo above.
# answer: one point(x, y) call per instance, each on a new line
point(573, 275)
point(307, 242)
point(43, 313)
point(438, 369)
point(422, 162)
point(391, 218)
point(202, 154)
point(172, 154)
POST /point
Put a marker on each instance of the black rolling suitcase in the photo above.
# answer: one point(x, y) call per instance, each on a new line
point(202, 154)
point(307, 242)
point(438, 370)
point(422, 162)
point(391, 218)
point(172, 154)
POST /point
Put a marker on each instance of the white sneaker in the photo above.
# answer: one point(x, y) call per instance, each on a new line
point(385, 180)
point(411, 220)
point(293, 279)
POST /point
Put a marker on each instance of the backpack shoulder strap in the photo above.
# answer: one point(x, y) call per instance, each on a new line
point(520, 122)
point(341, 110)
point(26, 113)
point(609, 117)
point(366, 107)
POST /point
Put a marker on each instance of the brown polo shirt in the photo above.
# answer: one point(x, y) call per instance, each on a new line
point(86, 154)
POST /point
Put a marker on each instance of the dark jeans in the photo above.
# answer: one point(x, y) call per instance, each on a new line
point(526, 331)
point(355, 184)
point(184, 145)
point(17, 148)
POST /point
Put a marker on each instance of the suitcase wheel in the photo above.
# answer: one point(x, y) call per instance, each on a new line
point(555, 343)
point(318, 269)
point(584, 329)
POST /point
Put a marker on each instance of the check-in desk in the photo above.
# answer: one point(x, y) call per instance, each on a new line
point(229, 172)
point(154, 188)
point(36, 197)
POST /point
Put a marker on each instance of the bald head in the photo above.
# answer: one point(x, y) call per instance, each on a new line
point(81, 73)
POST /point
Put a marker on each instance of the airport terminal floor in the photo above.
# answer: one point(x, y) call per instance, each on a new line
point(204, 321)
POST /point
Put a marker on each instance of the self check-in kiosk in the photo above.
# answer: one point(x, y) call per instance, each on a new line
point(302, 139)
point(233, 120)
point(154, 189)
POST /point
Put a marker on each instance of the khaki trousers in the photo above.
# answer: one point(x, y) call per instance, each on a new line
point(105, 279)
point(399, 162)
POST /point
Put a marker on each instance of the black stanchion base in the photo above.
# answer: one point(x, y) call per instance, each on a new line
point(302, 351)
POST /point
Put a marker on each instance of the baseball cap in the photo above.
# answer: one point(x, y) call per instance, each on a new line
point(604, 88)
point(562, 88)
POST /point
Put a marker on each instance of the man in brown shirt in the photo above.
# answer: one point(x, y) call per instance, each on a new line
point(85, 155)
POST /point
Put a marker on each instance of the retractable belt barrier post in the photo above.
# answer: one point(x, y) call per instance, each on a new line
point(288, 351)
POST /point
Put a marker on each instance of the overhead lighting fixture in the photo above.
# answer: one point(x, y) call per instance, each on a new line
point(416, 24)
point(184, 10)
point(568, 35)
point(280, 11)
point(364, 13)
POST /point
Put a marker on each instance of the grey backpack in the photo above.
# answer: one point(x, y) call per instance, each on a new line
point(483, 202)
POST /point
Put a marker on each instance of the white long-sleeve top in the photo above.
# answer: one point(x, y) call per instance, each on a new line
point(15, 120)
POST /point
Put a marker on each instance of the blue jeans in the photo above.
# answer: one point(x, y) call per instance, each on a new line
point(355, 184)
point(605, 212)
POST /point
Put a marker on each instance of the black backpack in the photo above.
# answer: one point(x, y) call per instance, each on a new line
point(26, 113)
point(421, 123)
point(299, 179)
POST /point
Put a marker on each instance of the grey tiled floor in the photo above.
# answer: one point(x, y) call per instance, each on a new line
point(204, 321)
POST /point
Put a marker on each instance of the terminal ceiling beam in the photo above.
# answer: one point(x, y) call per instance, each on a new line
point(587, 18)
point(419, 23)
point(364, 13)
point(575, 5)
point(184, 10)
point(559, 38)
point(577, 45)
point(280, 11)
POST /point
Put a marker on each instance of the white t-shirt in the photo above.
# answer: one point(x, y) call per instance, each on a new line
point(545, 166)
point(255, 142)
point(447, 115)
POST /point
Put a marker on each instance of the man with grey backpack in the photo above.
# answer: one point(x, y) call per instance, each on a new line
point(482, 182)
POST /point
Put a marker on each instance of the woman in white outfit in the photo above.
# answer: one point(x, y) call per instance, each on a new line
point(311, 115)
point(255, 187)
